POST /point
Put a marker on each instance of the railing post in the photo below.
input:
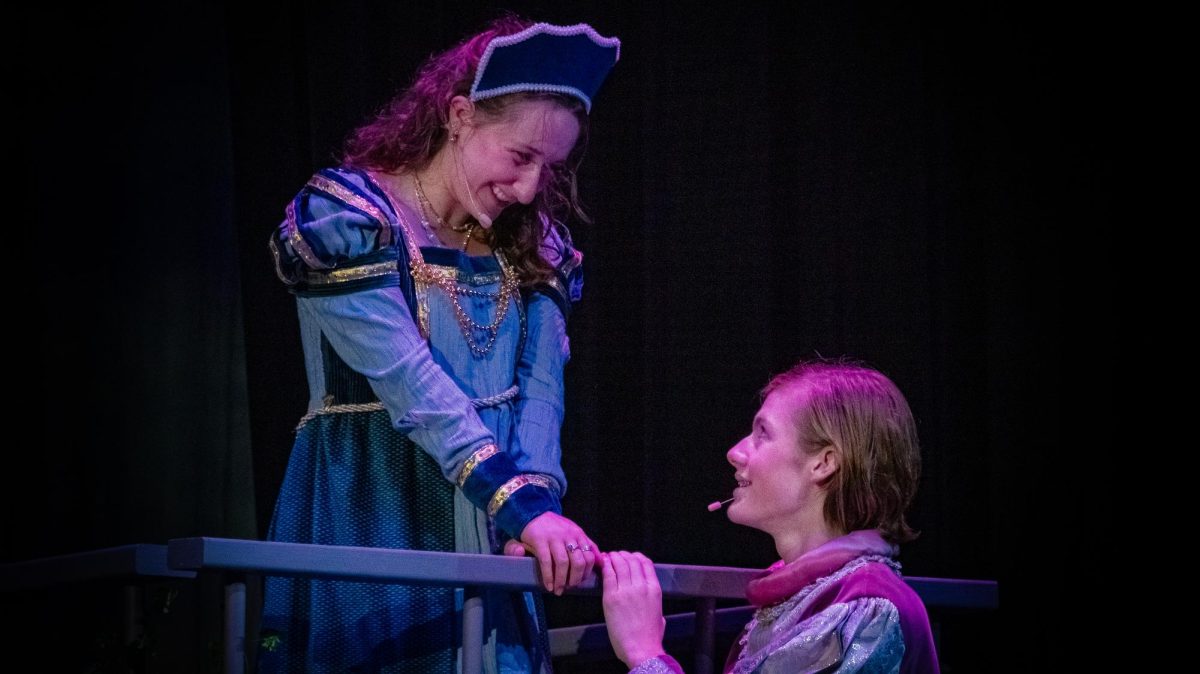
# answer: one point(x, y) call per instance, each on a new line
point(706, 626)
point(472, 643)
point(135, 626)
point(134, 620)
point(235, 624)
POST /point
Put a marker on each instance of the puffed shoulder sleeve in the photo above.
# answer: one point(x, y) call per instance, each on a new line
point(565, 287)
point(862, 635)
point(336, 237)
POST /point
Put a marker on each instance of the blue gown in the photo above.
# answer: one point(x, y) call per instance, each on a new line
point(414, 438)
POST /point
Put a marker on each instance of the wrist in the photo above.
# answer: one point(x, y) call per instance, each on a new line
point(520, 501)
point(635, 659)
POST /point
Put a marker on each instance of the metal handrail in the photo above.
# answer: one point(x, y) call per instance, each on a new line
point(139, 559)
point(185, 557)
point(132, 564)
point(473, 572)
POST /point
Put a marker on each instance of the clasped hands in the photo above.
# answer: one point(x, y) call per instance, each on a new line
point(565, 554)
point(632, 596)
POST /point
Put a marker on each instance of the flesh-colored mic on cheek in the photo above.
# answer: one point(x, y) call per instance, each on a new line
point(484, 220)
point(717, 505)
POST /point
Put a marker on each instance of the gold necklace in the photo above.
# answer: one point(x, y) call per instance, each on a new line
point(428, 209)
point(467, 238)
point(433, 237)
point(425, 274)
point(424, 201)
point(509, 289)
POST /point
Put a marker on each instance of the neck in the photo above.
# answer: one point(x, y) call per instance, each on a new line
point(435, 179)
point(808, 532)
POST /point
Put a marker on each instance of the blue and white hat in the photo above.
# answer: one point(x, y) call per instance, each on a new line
point(572, 60)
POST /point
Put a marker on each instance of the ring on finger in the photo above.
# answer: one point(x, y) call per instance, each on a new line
point(586, 548)
point(571, 547)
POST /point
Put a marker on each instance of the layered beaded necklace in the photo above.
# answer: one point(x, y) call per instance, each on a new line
point(425, 275)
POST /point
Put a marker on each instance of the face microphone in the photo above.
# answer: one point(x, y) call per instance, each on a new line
point(717, 505)
point(482, 218)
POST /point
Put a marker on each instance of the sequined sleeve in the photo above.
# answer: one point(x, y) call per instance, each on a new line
point(862, 635)
point(662, 664)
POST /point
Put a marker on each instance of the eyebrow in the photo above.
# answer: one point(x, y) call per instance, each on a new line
point(531, 149)
point(524, 147)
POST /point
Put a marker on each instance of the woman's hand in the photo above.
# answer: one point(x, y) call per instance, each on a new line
point(565, 555)
point(632, 606)
point(514, 548)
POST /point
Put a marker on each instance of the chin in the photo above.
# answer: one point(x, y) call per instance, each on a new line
point(732, 513)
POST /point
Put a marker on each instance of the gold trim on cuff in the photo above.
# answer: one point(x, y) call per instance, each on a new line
point(347, 274)
point(505, 492)
point(482, 454)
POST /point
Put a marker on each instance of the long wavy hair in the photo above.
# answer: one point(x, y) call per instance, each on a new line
point(412, 127)
point(862, 414)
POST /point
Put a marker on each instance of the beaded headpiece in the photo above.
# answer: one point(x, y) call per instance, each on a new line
point(571, 60)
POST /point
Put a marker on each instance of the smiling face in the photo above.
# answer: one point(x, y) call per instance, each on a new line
point(783, 480)
point(856, 460)
point(499, 161)
point(778, 486)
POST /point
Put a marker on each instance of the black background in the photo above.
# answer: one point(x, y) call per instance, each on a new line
point(920, 187)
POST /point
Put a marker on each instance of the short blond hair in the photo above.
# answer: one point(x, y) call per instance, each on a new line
point(861, 413)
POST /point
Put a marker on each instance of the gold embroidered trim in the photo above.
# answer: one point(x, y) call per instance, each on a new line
point(420, 289)
point(298, 243)
point(483, 454)
point(414, 252)
point(509, 488)
point(351, 274)
point(278, 265)
point(341, 192)
point(422, 294)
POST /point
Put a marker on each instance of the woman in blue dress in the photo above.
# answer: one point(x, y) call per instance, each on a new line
point(433, 282)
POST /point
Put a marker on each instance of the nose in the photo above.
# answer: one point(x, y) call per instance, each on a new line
point(526, 186)
point(736, 456)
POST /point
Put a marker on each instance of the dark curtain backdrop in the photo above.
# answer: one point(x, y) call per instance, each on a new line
point(921, 187)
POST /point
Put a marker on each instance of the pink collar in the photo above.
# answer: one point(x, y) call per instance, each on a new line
point(781, 581)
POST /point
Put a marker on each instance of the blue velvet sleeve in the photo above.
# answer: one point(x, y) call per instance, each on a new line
point(336, 237)
point(565, 285)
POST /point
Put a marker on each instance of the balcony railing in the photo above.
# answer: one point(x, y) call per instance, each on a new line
point(185, 557)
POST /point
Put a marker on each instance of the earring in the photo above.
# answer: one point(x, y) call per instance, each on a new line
point(453, 135)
